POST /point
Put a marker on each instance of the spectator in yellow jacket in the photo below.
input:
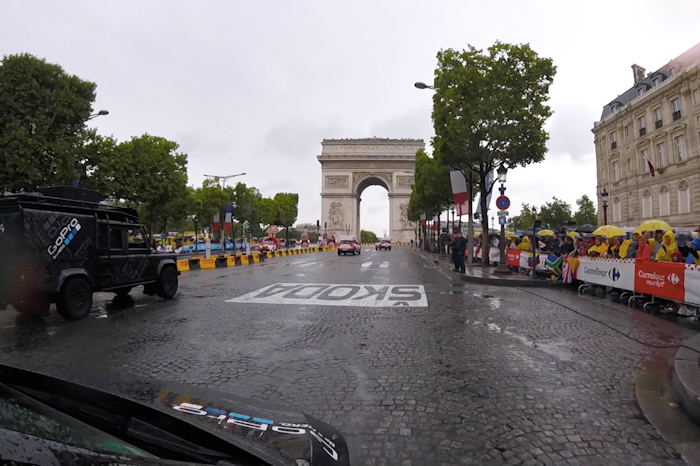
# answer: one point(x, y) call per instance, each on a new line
point(668, 248)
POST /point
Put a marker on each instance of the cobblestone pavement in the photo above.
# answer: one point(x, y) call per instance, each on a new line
point(482, 375)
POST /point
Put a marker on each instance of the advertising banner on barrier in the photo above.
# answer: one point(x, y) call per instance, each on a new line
point(692, 284)
point(494, 255)
point(607, 272)
point(662, 279)
point(513, 257)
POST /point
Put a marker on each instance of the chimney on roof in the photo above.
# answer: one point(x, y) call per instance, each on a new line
point(638, 74)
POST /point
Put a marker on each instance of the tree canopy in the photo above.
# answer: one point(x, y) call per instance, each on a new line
point(555, 214)
point(44, 110)
point(368, 237)
point(489, 109)
point(431, 192)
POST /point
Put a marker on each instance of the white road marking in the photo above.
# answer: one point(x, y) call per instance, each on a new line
point(337, 295)
point(366, 264)
point(384, 265)
point(307, 264)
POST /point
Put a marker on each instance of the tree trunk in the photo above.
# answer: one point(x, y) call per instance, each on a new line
point(483, 189)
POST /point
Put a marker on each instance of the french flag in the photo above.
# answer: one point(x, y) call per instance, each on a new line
point(460, 191)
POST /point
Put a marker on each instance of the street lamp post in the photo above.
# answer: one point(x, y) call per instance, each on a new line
point(502, 262)
point(224, 178)
point(605, 195)
point(95, 115)
point(470, 223)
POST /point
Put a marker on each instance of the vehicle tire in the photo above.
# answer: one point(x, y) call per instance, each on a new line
point(339, 253)
point(123, 291)
point(358, 252)
point(75, 299)
point(166, 285)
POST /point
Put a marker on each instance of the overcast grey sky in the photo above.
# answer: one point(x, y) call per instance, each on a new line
point(255, 86)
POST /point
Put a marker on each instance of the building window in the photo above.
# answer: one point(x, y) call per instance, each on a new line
point(680, 148)
point(676, 108)
point(672, 71)
point(664, 201)
point(602, 174)
point(613, 140)
point(642, 123)
point(646, 203)
point(683, 197)
point(661, 157)
point(615, 171)
point(627, 131)
point(640, 91)
point(655, 82)
point(629, 164)
point(696, 97)
point(658, 120)
point(616, 210)
point(644, 155)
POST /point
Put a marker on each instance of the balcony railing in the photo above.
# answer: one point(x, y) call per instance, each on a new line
point(676, 115)
point(642, 131)
point(613, 145)
point(658, 123)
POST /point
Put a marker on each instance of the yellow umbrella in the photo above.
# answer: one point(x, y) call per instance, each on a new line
point(609, 231)
point(510, 235)
point(572, 234)
point(653, 225)
point(546, 233)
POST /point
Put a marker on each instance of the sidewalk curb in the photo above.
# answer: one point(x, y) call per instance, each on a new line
point(495, 281)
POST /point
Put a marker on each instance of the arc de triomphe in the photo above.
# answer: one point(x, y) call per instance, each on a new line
point(348, 166)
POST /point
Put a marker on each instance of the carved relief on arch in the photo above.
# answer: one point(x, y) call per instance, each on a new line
point(359, 177)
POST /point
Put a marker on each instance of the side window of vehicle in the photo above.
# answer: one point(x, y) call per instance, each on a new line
point(102, 236)
point(116, 240)
point(136, 239)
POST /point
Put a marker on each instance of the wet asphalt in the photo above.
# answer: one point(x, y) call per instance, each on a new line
point(481, 375)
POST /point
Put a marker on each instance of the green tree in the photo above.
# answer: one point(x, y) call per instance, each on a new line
point(555, 214)
point(288, 210)
point(368, 237)
point(586, 213)
point(524, 220)
point(246, 203)
point(268, 212)
point(42, 112)
point(207, 201)
point(431, 192)
point(145, 170)
point(489, 109)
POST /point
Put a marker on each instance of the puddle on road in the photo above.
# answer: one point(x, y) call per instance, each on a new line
point(559, 351)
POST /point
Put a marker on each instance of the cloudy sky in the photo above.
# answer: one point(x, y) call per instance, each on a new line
point(255, 86)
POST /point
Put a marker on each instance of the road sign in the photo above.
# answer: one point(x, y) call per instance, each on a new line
point(502, 213)
point(502, 202)
point(502, 220)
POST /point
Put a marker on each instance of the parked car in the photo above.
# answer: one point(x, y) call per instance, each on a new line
point(61, 244)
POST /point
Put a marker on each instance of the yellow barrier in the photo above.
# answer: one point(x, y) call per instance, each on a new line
point(284, 252)
point(244, 260)
point(183, 265)
point(207, 263)
point(269, 255)
point(256, 257)
point(230, 261)
point(277, 253)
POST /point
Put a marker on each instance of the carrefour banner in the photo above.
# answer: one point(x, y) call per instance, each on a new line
point(615, 273)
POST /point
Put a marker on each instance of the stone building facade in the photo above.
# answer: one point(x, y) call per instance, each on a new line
point(653, 126)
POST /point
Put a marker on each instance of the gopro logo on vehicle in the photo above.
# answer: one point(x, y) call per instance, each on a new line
point(64, 238)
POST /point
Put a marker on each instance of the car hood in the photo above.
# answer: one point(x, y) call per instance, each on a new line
point(275, 434)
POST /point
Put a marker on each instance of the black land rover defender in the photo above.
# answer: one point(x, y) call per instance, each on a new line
point(62, 244)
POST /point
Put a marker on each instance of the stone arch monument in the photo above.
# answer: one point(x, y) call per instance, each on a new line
point(348, 166)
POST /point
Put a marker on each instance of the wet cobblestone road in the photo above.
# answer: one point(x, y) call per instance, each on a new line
point(482, 375)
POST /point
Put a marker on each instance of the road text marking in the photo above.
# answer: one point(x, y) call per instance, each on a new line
point(337, 295)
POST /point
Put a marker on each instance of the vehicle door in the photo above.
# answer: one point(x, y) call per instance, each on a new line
point(141, 265)
point(111, 255)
